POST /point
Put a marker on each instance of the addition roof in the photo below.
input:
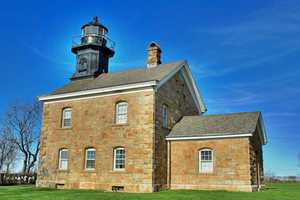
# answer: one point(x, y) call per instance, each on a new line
point(220, 125)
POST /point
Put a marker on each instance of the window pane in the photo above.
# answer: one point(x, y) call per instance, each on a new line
point(90, 158)
point(119, 158)
point(67, 115)
point(206, 166)
point(90, 164)
point(63, 159)
point(206, 155)
point(206, 161)
point(121, 112)
point(90, 154)
point(64, 154)
point(63, 164)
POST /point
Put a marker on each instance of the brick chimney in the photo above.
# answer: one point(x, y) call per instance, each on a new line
point(153, 55)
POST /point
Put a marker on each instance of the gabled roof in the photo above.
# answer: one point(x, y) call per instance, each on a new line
point(137, 75)
point(218, 126)
point(137, 78)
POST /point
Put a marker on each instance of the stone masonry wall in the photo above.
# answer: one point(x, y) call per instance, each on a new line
point(93, 125)
point(176, 96)
point(231, 165)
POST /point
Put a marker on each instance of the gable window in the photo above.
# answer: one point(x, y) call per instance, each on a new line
point(206, 161)
point(90, 157)
point(121, 113)
point(165, 116)
point(63, 159)
point(67, 118)
point(119, 158)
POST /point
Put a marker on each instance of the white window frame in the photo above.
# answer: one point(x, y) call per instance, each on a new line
point(201, 161)
point(165, 115)
point(60, 159)
point(86, 158)
point(63, 117)
point(115, 159)
point(118, 114)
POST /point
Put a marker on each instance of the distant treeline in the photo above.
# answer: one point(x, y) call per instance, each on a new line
point(13, 179)
point(276, 179)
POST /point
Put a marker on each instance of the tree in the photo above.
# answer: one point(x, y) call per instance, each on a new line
point(22, 124)
point(8, 150)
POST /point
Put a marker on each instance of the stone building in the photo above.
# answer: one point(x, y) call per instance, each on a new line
point(142, 130)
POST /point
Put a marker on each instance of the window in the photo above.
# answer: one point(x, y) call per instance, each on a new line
point(206, 161)
point(165, 116)
point(90, 155)
point(66, 118)
point(121, 113)
point(119, 158)
point(63, 159)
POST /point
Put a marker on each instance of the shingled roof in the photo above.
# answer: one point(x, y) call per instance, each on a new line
point(216, 125)
point(137, 75)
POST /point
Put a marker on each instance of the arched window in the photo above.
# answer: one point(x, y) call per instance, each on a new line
point(67, 118)
point(90, 158)
point(121, 112)
point(119, 158)
point(206, 164)
point(63, 159)
point(165, 114)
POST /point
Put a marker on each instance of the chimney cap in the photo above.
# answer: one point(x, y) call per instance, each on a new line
point(153, 44)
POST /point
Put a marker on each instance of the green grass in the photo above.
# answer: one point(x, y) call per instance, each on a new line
point(279, 191)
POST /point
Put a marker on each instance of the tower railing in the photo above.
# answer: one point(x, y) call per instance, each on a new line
point(93, 39)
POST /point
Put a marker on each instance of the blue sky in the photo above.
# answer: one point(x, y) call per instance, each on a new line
point(244, 55)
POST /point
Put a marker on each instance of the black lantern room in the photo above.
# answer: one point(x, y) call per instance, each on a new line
point(93, 50)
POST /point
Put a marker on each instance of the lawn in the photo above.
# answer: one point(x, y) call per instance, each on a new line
point(286, 191)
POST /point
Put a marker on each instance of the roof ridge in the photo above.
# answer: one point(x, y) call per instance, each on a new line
point(224, 114)
point(143, 68)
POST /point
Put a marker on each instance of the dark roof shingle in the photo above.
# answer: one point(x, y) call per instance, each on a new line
point(132, 76)
point(211, 125)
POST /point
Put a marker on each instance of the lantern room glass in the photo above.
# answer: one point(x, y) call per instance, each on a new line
point(93, 34)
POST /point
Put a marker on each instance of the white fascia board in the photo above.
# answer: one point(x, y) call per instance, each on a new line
point(194, 90)
point(98, 91)
point(209, 137)
point(263, 133)
point(190, 83)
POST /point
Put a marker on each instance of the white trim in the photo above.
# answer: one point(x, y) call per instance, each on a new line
point(99, 95)
point(115, 151)
point(97, 91)
point(209, 137)
point(262, 130)
point(198, 97)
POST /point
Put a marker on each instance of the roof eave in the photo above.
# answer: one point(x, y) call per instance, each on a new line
point(115, 89)
point(206, 137)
